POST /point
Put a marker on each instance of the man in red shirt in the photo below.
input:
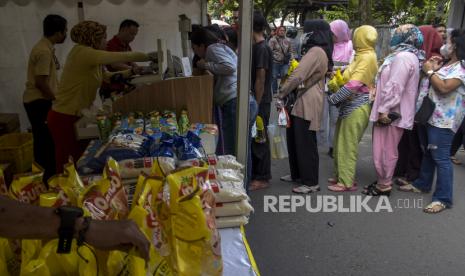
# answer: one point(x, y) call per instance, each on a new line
point(120, 43)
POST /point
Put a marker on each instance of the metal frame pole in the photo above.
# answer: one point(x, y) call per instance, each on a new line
point(244, 76)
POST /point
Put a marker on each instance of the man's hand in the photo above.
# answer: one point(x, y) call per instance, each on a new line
point(201, 63)
point(117, 235)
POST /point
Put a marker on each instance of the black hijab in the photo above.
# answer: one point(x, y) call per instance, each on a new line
point(318, 33)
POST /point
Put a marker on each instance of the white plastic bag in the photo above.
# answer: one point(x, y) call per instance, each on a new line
point(283, 118)
point(278, 142)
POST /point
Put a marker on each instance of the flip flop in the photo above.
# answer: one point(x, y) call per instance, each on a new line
point(434, 207)
point(339, 187)
point(455, 160)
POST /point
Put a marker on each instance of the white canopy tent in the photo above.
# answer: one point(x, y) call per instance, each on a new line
point(21, 28)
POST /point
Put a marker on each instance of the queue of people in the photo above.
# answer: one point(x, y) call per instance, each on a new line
point(406, 151)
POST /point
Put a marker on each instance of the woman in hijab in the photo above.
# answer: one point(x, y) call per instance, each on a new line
point(447, 91)
point(410, 154)
point(343, 48)
point(309, 78)
point(82, 75)
point(342, 54)
point(353, 100)
point(394, 106)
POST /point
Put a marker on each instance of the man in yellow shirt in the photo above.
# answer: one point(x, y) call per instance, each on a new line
point(41, 86)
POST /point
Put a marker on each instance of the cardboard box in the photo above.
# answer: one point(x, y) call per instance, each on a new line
point(86, 129)
point(192, 93)
point(9, 123)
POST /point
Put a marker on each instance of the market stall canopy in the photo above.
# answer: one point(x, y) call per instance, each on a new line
point(22, 21)
point(220, 23)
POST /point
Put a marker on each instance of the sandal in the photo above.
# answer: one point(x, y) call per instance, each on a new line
point(374, 191)
point(435, 207)
point(366, 187)
point(304, 189)
point(255, 186)
point(333, 181)
point(402, 181)
point(410, 188)
point(339, 187)
point(455, 160)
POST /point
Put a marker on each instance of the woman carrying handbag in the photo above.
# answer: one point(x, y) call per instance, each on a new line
point(447, 91)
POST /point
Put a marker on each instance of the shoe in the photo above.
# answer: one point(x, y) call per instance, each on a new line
point(288, 178)
point(256, 185)
point(304, 189)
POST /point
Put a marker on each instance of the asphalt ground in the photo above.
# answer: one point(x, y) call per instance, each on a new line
point(406, 241)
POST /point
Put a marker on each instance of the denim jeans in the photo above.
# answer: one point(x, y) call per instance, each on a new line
point(279, 71)
point(229, 130)
point(437, 158)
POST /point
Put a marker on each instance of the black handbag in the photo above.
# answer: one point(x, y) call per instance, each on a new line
point(426, 111)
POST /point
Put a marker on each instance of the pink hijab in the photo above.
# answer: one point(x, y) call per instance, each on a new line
point(343, 48)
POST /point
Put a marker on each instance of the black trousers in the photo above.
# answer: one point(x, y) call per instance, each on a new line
point(44, 148)
point(303, 151)
point(261, 153)
point(410, 154)
point(459, 139)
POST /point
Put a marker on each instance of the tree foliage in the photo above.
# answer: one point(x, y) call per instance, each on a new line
point(271, 9)
point(391, 12)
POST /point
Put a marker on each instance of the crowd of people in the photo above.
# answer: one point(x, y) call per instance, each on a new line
point(424, 73)
point(388, 92)
point(426, 67)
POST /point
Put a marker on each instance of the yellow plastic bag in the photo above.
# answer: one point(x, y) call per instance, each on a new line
point(147, 198)
point(336, 82)
point(51, 263)
point(106, 199)
point(3, 187)
point(194, 238)
point(27, 187)
point(9, 261)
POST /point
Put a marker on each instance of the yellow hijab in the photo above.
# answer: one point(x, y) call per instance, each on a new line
point(365, 66)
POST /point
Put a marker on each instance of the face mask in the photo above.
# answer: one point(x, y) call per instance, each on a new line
point(446, 50)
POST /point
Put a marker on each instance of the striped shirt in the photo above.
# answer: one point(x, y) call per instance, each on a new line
point(348, 100)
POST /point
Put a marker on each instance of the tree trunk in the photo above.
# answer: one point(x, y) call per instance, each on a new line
point(285, 14)
point(365, 12)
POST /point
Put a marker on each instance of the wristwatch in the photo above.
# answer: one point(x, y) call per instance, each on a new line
point(68, 216)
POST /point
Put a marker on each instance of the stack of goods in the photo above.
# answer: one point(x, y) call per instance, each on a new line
point(227, 183)
point(176, 213)
point(137, 135)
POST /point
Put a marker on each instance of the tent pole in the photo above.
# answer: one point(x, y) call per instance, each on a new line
point(244, 76)
point(203, 12)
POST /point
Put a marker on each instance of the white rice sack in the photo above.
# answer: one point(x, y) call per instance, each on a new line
point(227, 222)
point(228, 191)
point(241, 208)
point(131, 168)
point(229, 175)
point(225, 162)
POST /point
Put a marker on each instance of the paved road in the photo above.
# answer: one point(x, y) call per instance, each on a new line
point(404, 242)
